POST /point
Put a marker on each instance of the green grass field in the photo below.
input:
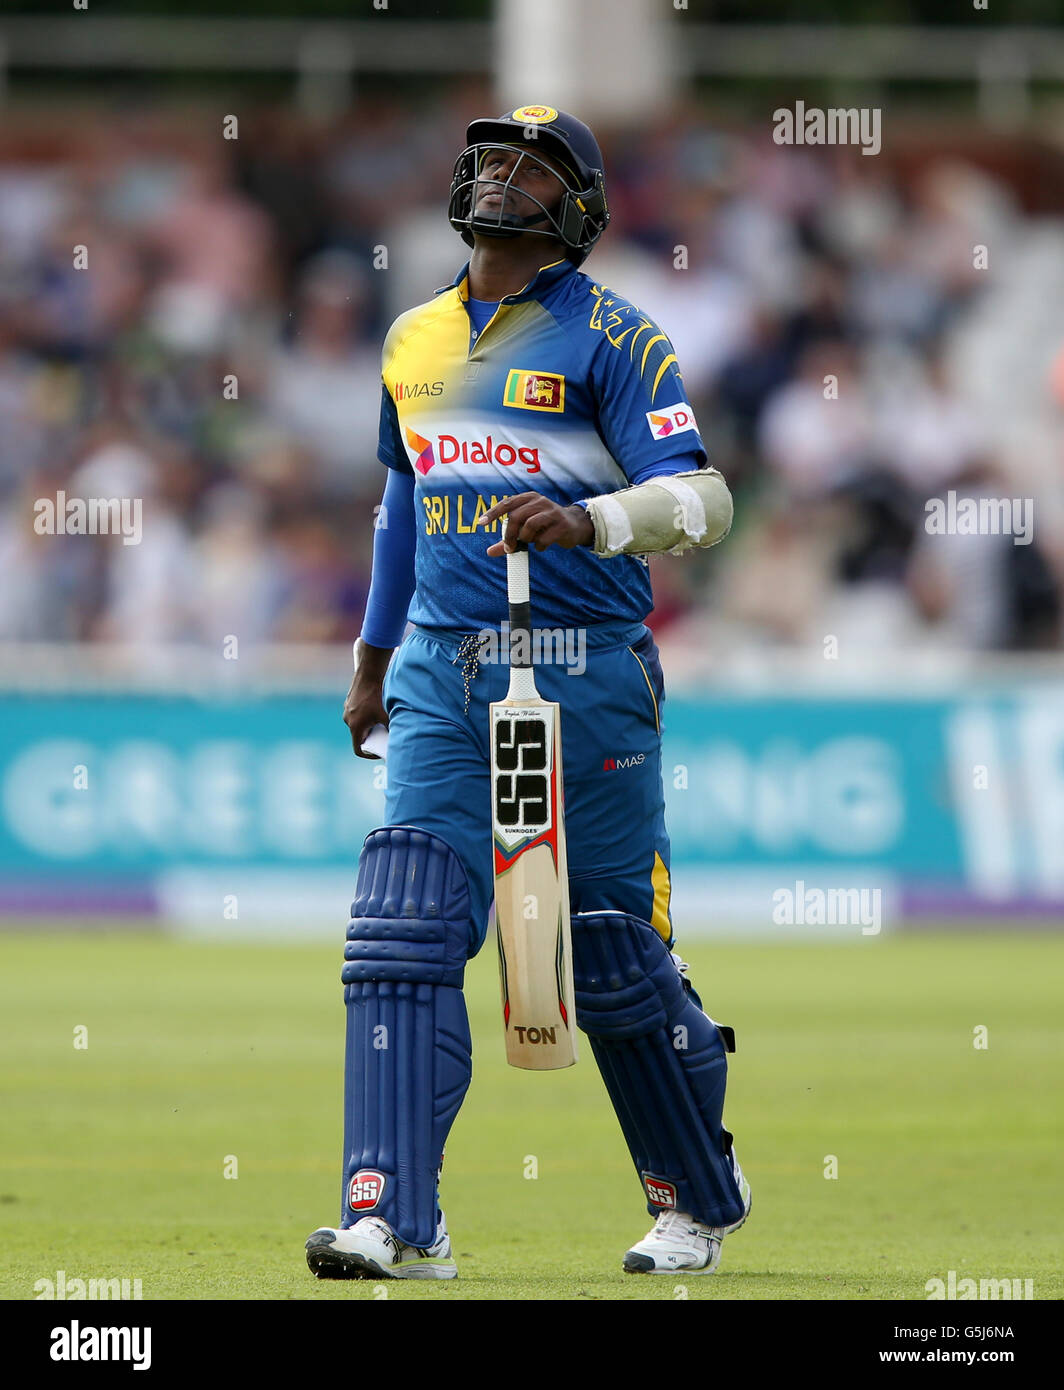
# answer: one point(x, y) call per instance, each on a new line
point(948, 1156)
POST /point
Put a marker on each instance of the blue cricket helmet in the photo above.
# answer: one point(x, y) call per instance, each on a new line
point(582, 214)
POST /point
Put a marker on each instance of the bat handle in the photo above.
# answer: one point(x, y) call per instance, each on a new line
point(517, 584)
point(519, 652)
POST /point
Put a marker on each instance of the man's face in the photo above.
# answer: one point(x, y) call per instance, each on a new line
point(536, 174)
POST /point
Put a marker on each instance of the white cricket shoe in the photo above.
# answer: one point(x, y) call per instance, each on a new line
point(371, 1250)
point(680, 1244)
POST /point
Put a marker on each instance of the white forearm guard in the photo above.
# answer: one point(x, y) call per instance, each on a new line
point(670, 513)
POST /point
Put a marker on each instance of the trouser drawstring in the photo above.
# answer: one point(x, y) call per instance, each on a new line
point(469, 655)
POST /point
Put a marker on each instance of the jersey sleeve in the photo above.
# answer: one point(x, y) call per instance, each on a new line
point(643, 414)
point(390, 449)
point(687, 462)
point(392, 580)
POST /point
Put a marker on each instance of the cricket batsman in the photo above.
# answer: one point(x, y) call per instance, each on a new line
point(524, 403)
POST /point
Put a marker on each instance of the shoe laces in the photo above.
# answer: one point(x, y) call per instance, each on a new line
point(680, 1223)
point(671, 1221)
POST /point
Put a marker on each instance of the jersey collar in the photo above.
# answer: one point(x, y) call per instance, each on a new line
point(545, 280)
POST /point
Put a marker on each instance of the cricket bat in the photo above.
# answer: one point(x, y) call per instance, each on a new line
point(531, 879)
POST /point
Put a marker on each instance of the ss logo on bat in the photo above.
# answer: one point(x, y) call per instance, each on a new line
point(522, 783)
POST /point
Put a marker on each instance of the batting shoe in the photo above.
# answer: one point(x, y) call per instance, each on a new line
point(371, 1250)
point(680, 1244)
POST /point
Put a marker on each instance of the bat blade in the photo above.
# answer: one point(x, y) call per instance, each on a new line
point(532, 885)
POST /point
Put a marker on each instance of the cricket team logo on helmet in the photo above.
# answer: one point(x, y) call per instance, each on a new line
point(535, 114)
point(581, 215)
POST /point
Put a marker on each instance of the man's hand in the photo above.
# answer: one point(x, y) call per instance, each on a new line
point(538, 521)
point(364, 705)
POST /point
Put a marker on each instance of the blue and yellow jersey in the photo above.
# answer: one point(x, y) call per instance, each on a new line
point(569, 391)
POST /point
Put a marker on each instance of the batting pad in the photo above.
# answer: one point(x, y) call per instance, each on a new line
point(663, 1062)
point(408, 1057)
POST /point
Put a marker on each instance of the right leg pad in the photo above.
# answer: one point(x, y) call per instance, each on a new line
point(408, 1057)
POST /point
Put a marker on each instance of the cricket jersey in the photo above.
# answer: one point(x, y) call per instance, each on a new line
point(569, 390)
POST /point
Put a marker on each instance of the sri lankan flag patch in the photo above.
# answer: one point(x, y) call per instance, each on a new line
point(534, 390)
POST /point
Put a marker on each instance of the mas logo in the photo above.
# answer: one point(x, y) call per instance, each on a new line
point(619, 764)
point(366, 1189)
point(406, 390)
point(674, 419)
point(535, 115)
point(534, 390)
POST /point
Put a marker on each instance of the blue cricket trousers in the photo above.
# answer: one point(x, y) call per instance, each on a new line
point(438, 760)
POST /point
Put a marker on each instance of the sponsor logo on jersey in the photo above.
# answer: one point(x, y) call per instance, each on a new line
point(365, 1189)
point(660, 1192)
point(407, 390)
point(448, 448)
point(534, 390)
point(536, 115)
point(674, 419)
point(619, 764)
point(423, 457)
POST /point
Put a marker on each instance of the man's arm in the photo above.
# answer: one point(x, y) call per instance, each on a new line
point(391, 588)
point(646, 422)
point(690, 506)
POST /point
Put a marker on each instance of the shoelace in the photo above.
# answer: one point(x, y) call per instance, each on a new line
point(469, 656)
point(669, 1220)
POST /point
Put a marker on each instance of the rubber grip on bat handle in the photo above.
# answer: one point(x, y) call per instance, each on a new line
point(517, 575)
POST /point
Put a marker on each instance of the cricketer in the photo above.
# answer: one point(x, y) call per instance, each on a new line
point(524, 403)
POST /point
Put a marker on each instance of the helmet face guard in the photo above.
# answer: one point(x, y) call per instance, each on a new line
point(577, 219)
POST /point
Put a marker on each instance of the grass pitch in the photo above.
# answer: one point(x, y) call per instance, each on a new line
point(207, 1058)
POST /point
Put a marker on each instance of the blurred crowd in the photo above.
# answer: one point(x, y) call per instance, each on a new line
point(850, 351)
